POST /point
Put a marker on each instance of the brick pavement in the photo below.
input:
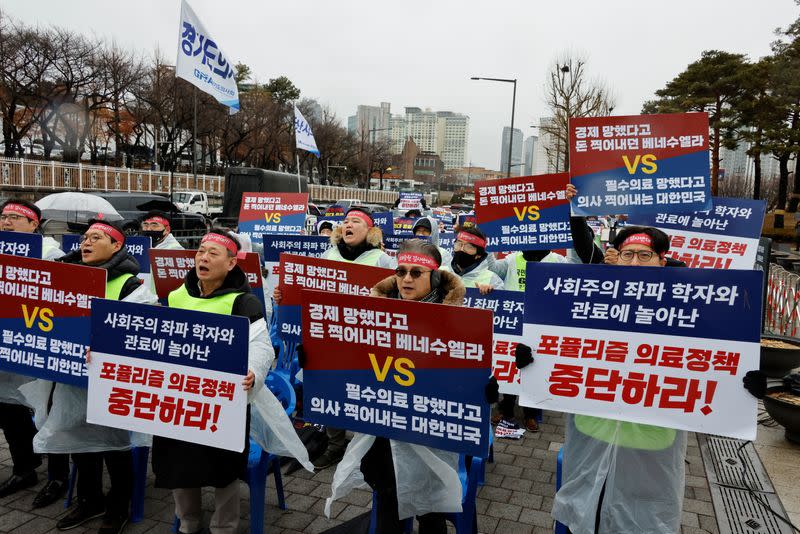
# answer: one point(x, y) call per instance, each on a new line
point(516, 498)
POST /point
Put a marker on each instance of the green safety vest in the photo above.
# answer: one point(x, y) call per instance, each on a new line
point(369, 257)
point(222, 304)
point(114, 287)
point(515, 275)
point(630, 435)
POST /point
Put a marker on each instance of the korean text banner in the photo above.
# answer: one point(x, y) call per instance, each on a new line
point(44, 321)
point(138, 246)
point(410, 201)
point(527, 213)
point(304, 137)
point(313, 246)
point(640, 164)
point(169, 269)
point(202, 63)
point(465, 220)
point(384, 221)
point(725, 237)
point(654, 345)
point(298, 273)
point(403, 225)
point(508, 308)
point(392, 242)
point(409, 371)
point(21, 244)
point(169, 372)
point(272, 213)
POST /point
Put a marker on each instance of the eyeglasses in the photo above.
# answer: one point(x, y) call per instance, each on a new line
point(401, 272)
point(92, 238)
point(469, 248)
point(11, 217)
point(643, 255)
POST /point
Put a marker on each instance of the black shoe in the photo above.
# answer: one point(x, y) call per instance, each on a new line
point(113, 525)
point(16, 483)
point(50, 493)
point(80, 514)
point(327, 459)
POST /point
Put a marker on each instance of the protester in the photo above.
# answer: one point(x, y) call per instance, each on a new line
point(356, 240)
point(409, 479)
point(428, 227)
point(470, 261)
point(15, 417)
point(65, 429)
point(324, 228)
point(218, 285)
point(620, 476)
point(158, 227)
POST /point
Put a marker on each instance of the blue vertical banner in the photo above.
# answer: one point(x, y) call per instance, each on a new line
point(21, 244)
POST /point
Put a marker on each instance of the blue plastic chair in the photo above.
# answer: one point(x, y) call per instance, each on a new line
point(260, 462)
point(140, 458)
point(559, 527)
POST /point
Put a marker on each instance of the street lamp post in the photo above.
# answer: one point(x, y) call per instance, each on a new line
point(513, 105)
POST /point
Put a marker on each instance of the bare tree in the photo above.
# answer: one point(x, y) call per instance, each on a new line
point(571, 94)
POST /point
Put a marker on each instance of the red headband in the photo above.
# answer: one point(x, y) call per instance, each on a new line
point(22, 210)
point(109, 230)
point(421, 260)
point(159, 220)
point(638, 239)
point(363, 216)
point(472, 239)
point(219, 239)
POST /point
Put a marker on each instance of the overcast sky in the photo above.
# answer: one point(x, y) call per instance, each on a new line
point(422, 53)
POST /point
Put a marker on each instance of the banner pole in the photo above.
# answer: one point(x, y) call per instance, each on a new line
point(194, 133)
point(297, 157)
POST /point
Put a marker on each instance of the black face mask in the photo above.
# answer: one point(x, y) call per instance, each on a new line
point(155, 235)
point(463, 260)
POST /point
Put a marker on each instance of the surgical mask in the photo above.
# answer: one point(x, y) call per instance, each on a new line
point(463, 260)
point(155, 235)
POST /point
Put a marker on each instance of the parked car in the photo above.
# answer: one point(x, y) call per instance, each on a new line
point(133, 206)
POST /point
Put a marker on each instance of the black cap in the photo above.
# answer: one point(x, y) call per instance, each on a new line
point(424, 223)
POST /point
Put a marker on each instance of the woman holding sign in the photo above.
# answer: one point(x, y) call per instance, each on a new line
point(410, 480)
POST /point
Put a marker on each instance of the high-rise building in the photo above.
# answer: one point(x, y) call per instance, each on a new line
point(528, 154)
point(545, 160)
point(371, 123)
point(516, 151)
point(452, 137)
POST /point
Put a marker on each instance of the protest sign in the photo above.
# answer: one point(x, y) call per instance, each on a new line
point(272, 213)
point(405, 370)
point(312, 246)
point(508, 308)
point(640, 164)
point(465, 220)
point(410, 201)
point(447, 240)
point(169, 372)
point(443, 216)
point(24, 244)
point(169, 269)
point(725, 237)
point(138, 246)
point(403, 226)
point(391, 243)
point(384, 221)
point(299, 272)
point(335, 210)
point(528, 213)
point(659, 346)
point(45, 323)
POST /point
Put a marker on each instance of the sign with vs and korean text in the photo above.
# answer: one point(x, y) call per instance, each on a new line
point(655, 345)
point(725, 237)
point(24, 244)
point(528, 213)
point(45, 322)
point(404, 370)
point(640, 164)
point(169, 372)
point(508, 308)
point(170, 267)
point(272, 213)
point(298, 273)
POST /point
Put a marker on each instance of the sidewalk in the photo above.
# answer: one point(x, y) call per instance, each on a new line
point(516, 498)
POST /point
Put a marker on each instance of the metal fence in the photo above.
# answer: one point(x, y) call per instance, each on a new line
point(783, 297)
